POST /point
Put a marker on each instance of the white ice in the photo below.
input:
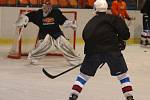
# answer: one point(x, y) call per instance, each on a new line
point(21, 81)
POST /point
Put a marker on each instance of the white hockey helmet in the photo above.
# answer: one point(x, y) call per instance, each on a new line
point(46, 6)
point(100, 6)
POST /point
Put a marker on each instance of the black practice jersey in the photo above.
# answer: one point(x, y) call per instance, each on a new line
point(146, 7)
point(49, 24)
point(102, 33)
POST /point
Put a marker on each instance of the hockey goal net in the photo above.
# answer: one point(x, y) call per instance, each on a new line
point(21, 46)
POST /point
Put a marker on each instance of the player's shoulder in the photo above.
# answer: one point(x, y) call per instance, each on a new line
point(112, 16)
point(39, 10)
point(56, 9)
point(36, 11)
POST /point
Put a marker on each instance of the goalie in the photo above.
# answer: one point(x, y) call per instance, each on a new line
point(48, 20)
point(119, 8)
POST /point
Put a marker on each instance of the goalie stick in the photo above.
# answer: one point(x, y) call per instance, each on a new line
point(18, 35)
point(55, 76)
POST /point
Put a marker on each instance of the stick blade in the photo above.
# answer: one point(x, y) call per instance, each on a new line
point(47, 74)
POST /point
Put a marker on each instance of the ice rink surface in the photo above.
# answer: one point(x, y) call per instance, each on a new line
point(21, 81)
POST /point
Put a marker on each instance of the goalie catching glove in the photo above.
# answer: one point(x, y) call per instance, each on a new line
point(71, 24)
point(22, 21)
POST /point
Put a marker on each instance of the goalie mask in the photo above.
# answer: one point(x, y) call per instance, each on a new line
point(100, 6)
point(46, 7)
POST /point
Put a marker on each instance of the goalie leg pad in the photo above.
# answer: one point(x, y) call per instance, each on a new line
point(42, 49)
point(41, 53)
point(69, 53)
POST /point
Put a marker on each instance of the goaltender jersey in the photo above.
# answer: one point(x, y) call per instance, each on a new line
point(103, 33)
point(49, 24)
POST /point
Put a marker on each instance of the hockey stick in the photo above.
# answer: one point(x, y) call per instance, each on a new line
point(18, 35)
point(55, 76)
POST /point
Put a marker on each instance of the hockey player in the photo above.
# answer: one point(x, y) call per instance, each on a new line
point(146, 7)
point(118, 8)
point(102, 35)
point(123, 10)
point(115, 8)
point(145, 35)
point(48, 20)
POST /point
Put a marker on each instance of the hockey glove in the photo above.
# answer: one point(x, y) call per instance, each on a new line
point(122, 45)
point(71, 24)
point(22, 21)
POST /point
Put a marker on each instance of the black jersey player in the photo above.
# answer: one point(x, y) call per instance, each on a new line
point(145, 34)
point(49, 19)
point(102, 35)
point(146, 7)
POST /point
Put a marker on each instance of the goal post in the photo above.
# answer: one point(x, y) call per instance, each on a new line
point(29, 37)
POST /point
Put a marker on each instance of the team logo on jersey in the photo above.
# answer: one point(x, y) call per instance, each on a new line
point(48, 21)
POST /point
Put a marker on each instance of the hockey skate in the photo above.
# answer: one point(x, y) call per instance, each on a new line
point(32, 60)
point(73, 97)
point(129, 98)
